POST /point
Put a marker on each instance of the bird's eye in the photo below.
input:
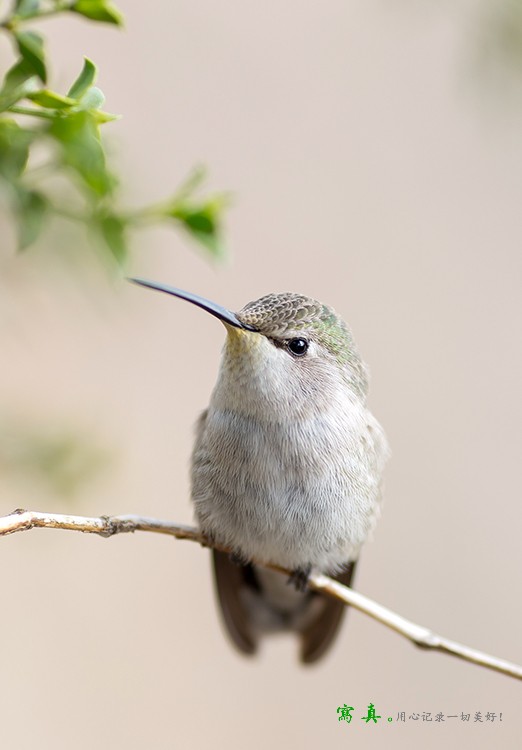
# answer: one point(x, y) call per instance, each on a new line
point(298, 346)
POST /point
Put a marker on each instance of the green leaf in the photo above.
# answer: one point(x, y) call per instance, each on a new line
point(112, 229)
point(101, 117)
point(25, 8)
point(51, 100)
point(76, 134)
point(18, 73)
point(31, 211)
point(98, 10)
point(14, 149)
point(20, 80)
point(202, 222)
point(30, 46)
point(10, 96)
point(92, 99)
point(84, 80)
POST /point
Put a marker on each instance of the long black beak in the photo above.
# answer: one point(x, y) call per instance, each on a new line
point(214, 309)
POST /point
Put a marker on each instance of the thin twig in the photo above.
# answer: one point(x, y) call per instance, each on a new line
point(23, 520)
point(12, 22)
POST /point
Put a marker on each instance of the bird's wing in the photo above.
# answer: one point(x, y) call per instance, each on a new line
point(230, 579)
point(318, 635)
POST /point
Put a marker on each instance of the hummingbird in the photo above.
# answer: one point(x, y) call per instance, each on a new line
point(286, 467)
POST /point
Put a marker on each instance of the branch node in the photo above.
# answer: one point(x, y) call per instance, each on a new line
point(113, 525)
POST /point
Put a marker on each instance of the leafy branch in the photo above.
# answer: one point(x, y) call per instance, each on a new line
point(66, 126)
point(106, 526)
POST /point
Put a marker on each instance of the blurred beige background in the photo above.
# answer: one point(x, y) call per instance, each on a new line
point(377, 168)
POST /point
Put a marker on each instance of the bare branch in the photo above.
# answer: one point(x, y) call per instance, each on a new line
point(23, 520)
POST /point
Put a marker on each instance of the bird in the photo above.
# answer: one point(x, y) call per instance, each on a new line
point(286, 468)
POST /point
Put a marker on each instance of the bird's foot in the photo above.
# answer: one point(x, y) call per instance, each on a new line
point(299, 578)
